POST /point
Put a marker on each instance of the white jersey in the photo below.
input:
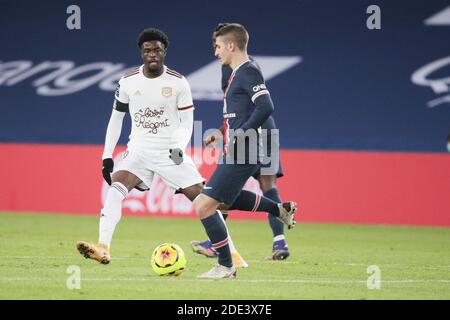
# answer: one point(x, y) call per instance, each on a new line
point(154, 105)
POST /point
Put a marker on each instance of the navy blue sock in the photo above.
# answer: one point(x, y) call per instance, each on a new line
point(250, 201)
point(217, 233)
point(276, 225)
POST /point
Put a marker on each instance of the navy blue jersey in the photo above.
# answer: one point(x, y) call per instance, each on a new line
point(243, 107)
point(247, 105)
point(269, 124)
point(226, 73)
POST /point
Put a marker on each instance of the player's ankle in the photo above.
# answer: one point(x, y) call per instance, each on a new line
point(103, 246)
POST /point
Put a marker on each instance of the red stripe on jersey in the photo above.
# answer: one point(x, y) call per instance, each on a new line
point(132, 71)
point(174, 74)
point(185, 108)
point(230, 79)
point(226, 136)
point(173, 71)
point(226, 127)
point(131, 74)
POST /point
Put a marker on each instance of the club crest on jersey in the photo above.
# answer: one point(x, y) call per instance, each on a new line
point(166, 92)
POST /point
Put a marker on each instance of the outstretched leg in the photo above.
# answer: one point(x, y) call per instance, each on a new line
point(122, 183)
point(250, 201)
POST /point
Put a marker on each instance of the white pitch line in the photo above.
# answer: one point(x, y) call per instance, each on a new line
point(350, 264)
point(304, 281)
point(66, 257)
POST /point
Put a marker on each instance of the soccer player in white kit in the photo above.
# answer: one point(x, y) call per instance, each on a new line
point(160, 105)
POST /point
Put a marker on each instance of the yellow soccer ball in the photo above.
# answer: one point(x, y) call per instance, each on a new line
point(168, 259)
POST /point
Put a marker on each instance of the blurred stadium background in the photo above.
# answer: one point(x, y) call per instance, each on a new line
point(363, 114)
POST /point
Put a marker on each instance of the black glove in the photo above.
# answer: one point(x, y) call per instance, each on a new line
point(176, 155)
point(108, 166)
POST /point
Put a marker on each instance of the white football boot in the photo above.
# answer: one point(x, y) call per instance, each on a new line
point(219, 272)
point(287, 210)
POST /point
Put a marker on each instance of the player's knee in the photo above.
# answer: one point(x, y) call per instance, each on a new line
point(203, 207)
point(193, 191)
point(223, 206)
point(267, 182)
point(126, 178)
point(200, 208)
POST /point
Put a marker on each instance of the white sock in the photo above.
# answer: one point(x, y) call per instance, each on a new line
point(111, 212)
point(230, 241)
point(278, 238)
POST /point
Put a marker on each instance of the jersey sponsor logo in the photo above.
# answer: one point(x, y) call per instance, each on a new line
point(151, 119)
point(259, 87)
point(166, 92)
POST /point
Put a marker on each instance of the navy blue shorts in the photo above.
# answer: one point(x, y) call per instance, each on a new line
point(279, 172)
point(228, 180)
point(266, 168)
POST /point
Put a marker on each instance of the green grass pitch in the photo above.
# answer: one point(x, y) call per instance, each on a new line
point(326, 262)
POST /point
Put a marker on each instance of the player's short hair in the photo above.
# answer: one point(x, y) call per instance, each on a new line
point(234, 32)
point(217, 28)
point(152, 34)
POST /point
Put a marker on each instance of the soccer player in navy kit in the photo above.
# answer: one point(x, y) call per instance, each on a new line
point(267, 183)
point(247, 105)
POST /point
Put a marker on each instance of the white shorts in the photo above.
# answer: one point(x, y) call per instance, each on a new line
point(145, 165)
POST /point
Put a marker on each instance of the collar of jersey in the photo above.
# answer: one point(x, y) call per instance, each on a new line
point(141, 70)
point(236, 69)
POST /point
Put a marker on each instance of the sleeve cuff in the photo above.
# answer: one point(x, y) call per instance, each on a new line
point(186, 108)
point(260, 93)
